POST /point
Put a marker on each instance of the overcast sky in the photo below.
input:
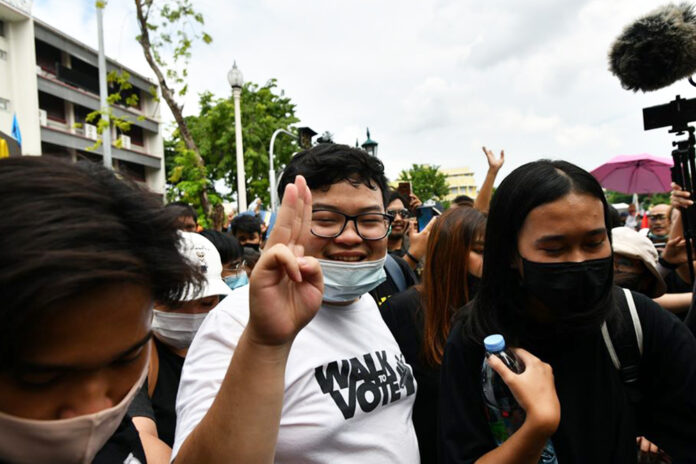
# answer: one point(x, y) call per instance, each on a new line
point(434, 80)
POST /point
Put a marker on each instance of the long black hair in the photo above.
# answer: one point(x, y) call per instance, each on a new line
point(68, 229)
point(495, 308)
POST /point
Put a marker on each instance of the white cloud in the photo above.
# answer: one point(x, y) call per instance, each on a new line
point(434, 80)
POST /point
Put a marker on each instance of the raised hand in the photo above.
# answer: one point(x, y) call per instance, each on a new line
point(494, 164)
point(286, 287)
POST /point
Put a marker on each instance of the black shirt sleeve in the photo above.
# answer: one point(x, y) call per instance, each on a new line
point(667, 413)
point(142, 404)
point(464, 435)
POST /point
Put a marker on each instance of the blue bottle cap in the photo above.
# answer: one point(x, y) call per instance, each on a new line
point(494, 343)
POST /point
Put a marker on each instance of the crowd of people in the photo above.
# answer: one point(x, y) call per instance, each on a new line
point(343, 333)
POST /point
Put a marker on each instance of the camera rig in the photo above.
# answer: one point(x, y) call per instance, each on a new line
point(677, 115)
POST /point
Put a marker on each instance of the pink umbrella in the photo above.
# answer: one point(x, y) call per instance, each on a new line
point(635, 174)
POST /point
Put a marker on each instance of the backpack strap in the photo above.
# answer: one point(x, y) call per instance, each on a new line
point(623, 338)
point(395, 272)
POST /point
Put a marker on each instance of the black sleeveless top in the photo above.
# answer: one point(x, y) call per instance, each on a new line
point(124, 446)
point(164, 396)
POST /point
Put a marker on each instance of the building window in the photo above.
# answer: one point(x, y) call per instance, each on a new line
point(3, 55)
point(2, 29)
point(4, 104)
point(47, 56)
point(54, 106)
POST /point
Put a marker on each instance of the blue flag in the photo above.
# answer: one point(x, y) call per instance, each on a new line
point(15, 130)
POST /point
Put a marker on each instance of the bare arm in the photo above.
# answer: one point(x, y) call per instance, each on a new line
point(284, 295)
point(675, 302)
point(483, 199)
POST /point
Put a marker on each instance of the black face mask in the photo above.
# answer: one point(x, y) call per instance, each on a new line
point(574, 293)
point(473, 284)
point(253, 246)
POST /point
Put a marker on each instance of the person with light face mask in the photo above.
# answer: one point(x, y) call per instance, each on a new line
point(174, 327)
point(234, 272)
point(547, 287)
point(347, 392)
point(78, 278)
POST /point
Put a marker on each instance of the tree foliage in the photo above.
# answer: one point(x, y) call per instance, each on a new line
point(263, 110)
point(168, 30)
point(427, 182)
point(645, 200)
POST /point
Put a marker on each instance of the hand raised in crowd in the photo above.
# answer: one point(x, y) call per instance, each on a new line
point(418, 241)
point(680, 198)
point(286, 287)
point(494, 164)
point(534, 390)
point(413, 202)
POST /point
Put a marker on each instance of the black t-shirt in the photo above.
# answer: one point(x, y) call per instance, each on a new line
point(161, 408)
point(123, 445)
point(598, 422)
point(388, 287)
point(404, 316)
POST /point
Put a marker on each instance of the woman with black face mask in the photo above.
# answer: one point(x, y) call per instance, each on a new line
point(421, 317)
point(547, 287)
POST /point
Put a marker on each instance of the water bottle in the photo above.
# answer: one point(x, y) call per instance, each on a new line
point(504, 413)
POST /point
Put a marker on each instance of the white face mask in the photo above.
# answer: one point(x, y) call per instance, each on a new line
point(176, 329)
point(346, 281)
point(63, 441)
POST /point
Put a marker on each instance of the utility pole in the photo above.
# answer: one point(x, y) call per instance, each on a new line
point(103, 90)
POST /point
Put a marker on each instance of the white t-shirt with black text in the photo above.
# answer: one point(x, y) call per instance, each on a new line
point(348, 391)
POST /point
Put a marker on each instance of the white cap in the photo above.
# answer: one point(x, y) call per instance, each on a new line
point(204, 256)
point(628, 242)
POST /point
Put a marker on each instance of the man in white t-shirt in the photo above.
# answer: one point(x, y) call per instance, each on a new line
point(346, 393)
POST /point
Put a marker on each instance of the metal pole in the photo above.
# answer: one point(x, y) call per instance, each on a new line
point(241, 177)
point(103, 90)
point(271, 169)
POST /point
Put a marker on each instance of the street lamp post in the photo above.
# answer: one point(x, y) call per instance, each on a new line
point(370, 145)
point(103, 91)
point(271, 168)
point(236, 81)
point(304, 138)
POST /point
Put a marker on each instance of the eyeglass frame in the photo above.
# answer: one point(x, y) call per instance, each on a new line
point(240, 266)
point(403, 212)
point(347, 218)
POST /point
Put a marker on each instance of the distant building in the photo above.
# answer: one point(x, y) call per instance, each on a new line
point(50, 81)
point(461, 182)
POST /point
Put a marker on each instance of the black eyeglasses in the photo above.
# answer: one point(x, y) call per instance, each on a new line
point(657, 217)
point(369, 226)
point(404, 213)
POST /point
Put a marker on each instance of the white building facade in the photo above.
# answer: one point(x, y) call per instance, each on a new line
point(50, 82)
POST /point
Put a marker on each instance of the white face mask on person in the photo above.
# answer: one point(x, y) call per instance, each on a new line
point(346, 281)
point(63, 441)
point(176, 329)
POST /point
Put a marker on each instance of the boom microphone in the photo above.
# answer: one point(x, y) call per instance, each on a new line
point(656, 50)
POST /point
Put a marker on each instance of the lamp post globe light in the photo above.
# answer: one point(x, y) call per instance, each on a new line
point(236, 80)
point(370, 145)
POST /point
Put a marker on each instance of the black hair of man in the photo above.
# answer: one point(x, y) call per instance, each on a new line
point(69, 229)
point(245, 223)
point(395, 195)
point(251, 257)
point(328, 163)
point(227, 245)
point(614, 218)
point(181, 208)
point(494, 310)
point(463, 200)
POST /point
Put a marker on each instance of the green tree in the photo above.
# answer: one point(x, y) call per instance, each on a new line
point(427, 181)
point(168, 30)
point(263, 111)
point(646, 200)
